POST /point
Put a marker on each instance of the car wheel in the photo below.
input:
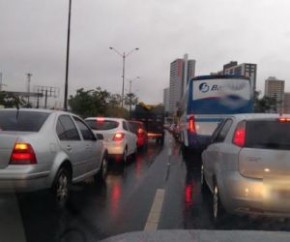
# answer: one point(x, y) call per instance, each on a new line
point(61, 186)
point(202, 180)
point(125, 156)
point(217, 208)
point(104, 168)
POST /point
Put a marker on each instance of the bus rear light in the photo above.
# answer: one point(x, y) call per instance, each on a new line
point(240, 134)
point(191, 125)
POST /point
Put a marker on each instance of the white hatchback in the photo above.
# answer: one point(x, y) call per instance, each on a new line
point(119, 140)
point(247, 166)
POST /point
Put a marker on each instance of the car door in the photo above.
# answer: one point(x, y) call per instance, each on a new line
point(71, 143)
point(214, 153)
point(94, 147)
point(131, 138)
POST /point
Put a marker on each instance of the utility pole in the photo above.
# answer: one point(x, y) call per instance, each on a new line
point(1, 75)
point(29, 75)
point(67, 58)
point(124, 55)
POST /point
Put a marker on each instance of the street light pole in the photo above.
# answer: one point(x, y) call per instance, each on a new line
point(124, 55)
point(28, 88)
point(67, 59)
point(130, 96)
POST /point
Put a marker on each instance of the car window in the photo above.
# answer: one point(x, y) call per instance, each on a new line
point(223, 130)
point(13, 120)
point(102, 124)
point(134, 126)
point(85, 131)
point(267, 134)
point(66, 129)
point(125, 126)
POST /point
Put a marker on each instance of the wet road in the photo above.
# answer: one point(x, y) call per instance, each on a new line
point(159, 190)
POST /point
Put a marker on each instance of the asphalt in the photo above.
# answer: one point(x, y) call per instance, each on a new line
point(158, 191)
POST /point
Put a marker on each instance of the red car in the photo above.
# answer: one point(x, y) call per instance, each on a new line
point(138, 128)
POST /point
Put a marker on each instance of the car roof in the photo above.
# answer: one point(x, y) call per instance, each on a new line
point(135, 121)
point(106, 118)
point(253, 116)
point(35, 110)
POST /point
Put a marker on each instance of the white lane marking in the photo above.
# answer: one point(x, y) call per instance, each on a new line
point(155, 212)
point(11, 227)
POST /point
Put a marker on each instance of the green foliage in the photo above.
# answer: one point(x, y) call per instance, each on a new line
point(264, 104)
point(9, 101)
point(98, 102)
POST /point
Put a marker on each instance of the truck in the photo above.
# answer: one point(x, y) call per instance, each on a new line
point(153, 118)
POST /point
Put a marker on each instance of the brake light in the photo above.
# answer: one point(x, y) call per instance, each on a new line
point(191, 124)
point(284, 120)
point(140, 131)
point(100, 119)
point(118, 137)
point(23, 154)
point(240, 134)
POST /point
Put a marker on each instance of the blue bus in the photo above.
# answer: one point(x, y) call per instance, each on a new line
point(206, 101)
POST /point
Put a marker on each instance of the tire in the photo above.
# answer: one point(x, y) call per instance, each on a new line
point(61, 186)
point(105, 167)
point(203, 184)
point(218, 211)
point(125, 157)
point(103, 172)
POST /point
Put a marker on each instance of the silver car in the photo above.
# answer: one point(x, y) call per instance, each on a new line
point(247, 166)
point(42, 149)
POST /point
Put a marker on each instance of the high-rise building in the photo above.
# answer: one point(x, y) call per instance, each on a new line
point(286, 102)
point(274, 88)
point(181, 71)
point(245, 69)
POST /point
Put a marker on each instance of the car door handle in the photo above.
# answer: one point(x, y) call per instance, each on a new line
point(69, 148)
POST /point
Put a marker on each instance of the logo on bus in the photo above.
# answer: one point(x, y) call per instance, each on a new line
point(203, 87)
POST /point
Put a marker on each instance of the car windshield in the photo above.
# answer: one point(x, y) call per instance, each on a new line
point(102, 124)
point(26, 121)
point(109, 112)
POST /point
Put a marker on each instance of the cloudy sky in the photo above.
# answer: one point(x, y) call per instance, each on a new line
point(213, 32)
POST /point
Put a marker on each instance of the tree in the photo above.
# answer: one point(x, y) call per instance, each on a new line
point(265, 104)
point(131, 100)
point(9, 100)
point(96, 102)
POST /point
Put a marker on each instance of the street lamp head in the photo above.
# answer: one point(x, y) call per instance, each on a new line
point(136, 48)
point(110, 47)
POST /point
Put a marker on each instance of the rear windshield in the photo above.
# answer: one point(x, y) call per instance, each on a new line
point(102, 124)
point(26, 121)
point(268, 134)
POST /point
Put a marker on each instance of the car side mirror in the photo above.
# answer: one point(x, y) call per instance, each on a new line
point(99, 136)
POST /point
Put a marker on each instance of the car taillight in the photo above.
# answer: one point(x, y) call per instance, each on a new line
point(23, 154)
point(191, 124)
point(119, 136)
point(140, 131)
point(284, 119)
point(240, 134)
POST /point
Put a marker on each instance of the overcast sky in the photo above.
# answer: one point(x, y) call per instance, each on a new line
point(213, 32)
